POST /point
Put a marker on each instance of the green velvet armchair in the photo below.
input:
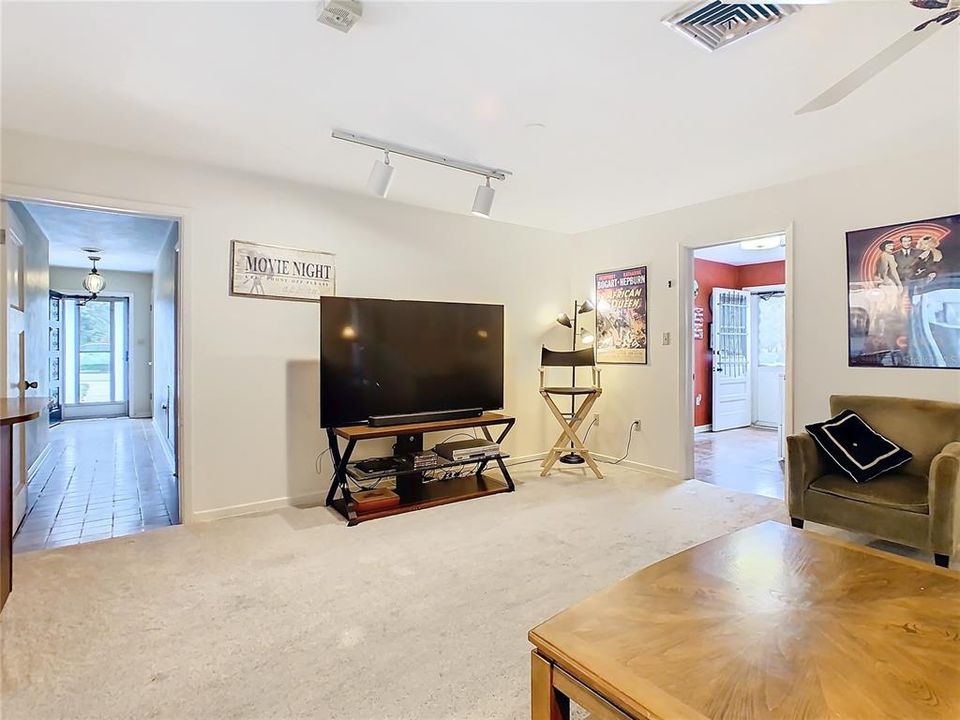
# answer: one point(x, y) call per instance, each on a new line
point(916, 505)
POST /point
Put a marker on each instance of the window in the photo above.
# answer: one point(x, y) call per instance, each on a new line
point(771, 329)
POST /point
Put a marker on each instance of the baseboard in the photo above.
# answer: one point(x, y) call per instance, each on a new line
point(643, 467)
point(167, 450)
point(310, 499)
point(32, 470)
point(703, 428)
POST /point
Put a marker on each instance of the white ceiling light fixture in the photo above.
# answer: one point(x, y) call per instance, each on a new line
point(483, 201)
point(762, 243)
point(381, 176)
point(382, 173)
point(94, 283)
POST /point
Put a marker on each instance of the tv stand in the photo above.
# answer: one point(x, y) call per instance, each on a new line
point(415, 491)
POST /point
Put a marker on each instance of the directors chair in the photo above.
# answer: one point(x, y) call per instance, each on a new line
point(570, 422)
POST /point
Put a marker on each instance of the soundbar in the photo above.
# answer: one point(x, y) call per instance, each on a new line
point(424, 417)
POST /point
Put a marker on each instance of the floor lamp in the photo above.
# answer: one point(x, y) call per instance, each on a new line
point(587, 339)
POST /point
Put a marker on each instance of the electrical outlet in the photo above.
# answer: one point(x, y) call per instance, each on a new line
point(596, 418)
point(636, 426)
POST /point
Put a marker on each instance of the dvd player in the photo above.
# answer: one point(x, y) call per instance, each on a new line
point(468, 450)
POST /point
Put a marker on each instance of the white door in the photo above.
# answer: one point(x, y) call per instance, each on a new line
point(729, 335)
point(767, 348)
point(12, 361)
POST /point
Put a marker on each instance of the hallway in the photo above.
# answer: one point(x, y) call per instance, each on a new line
point(101, 479)
point(744, 459)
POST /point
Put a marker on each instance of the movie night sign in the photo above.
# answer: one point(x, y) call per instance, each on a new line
point(281, 273)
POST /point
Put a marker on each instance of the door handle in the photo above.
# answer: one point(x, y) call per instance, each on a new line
point(27, 385)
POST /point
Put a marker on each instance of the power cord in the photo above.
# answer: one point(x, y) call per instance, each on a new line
point(627, 451)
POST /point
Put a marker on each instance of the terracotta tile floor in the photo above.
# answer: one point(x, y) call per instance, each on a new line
point(101, 479)
point(744, 459)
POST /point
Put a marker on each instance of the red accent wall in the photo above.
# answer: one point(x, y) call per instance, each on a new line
point(709, 275)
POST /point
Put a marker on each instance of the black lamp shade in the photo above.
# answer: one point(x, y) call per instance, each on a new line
point(564, 320)
point(586, 307)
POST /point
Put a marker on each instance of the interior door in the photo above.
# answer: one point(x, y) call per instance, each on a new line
point(14, 359)
point(729, 340)
point(56, 348)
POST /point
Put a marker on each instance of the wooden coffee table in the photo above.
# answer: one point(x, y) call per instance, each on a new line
point(767, 622)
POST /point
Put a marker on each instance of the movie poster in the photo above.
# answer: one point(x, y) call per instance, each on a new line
point(904, 294)
point(622, 316)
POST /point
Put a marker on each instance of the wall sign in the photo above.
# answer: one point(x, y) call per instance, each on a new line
point(280, 273)
point(698, 323)
point(622, 316)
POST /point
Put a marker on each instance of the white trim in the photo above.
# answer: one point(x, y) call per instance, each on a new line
point(703, 428)
point(685, 359)
point(32, 193)
point(167, 449)
point(642, 467)
point(312, 499)
point(35, 466)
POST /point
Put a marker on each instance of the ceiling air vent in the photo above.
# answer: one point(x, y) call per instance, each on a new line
point(714, 24)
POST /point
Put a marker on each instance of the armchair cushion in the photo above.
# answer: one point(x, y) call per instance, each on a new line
point(856, 448)
point(893, 490)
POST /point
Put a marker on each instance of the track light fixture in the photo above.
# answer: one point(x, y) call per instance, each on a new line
point(483, 201)
point(381, 176)
point(382, 173)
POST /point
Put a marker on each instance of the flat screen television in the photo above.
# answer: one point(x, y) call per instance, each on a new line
point(394, 357)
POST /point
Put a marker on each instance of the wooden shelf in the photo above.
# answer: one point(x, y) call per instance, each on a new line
point(365, 432)
point(361, 476)
point(426, 495)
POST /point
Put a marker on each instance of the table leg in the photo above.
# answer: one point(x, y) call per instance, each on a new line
point(6, 512)
point(546, 702)
point(499, 461)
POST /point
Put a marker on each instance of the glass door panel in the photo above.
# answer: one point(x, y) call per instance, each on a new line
point(95, 335)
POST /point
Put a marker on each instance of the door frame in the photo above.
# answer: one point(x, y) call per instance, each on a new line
point(685, 359)
point(183, 461)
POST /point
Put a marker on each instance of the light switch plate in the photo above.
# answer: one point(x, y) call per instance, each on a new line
point(666, 338)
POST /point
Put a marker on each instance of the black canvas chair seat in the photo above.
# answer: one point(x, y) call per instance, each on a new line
point(569, 390)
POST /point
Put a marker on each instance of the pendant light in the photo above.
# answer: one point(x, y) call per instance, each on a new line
point(94, 283)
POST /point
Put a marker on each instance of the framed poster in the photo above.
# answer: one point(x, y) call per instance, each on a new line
point(903, 298)
point(622, 316)
point(280, 273)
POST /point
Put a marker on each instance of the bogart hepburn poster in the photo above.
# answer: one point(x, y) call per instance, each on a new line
point(622, 316)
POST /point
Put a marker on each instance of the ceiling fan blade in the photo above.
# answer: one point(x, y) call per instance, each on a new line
point(870, 68)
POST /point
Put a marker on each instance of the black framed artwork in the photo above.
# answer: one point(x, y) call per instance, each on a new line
point(903, 298)
point(622, 316)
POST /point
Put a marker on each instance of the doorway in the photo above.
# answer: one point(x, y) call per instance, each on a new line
point(738, 322)
point(109, 367)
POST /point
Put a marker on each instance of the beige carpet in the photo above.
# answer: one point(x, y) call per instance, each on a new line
point(292, 614)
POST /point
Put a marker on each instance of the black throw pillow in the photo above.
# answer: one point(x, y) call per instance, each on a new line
point(856, 448)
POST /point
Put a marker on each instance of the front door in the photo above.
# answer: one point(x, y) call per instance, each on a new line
point(731, 359)
point(56, 376)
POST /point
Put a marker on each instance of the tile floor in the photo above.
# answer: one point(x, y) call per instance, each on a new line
point(101, 479)
point(744, 459)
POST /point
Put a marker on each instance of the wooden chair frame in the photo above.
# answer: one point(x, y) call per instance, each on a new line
point(571, 426)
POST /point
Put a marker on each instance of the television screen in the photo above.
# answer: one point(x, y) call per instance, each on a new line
point(387, 357)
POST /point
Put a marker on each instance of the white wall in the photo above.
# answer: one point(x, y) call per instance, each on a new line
point(894, 189)
point(250, 367)
point(164, 341)
point(139, 286)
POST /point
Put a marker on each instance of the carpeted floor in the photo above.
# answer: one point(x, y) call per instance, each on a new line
point(293, 615)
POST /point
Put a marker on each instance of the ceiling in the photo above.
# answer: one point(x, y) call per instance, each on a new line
point(126, 242)
point(637, 119)
point(733, 254)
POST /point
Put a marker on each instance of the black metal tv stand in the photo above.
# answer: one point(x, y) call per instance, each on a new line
point(415, 493)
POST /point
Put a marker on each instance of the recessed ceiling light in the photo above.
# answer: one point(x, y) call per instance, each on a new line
point(535, 126)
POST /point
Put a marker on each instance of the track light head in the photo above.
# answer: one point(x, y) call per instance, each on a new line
point(483, 200)
point(381, 176)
